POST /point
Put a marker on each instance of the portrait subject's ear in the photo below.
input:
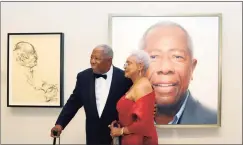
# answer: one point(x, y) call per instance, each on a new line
point(194, 64)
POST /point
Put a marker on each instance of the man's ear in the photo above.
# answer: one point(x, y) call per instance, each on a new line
point(110, 59)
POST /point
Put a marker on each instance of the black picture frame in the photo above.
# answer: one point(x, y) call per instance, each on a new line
point(34, 62)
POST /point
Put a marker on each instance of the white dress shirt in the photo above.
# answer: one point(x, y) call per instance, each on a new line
point(102, 88)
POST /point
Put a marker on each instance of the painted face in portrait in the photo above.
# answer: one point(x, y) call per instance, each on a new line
point(25, 54)
point(171, 64)
point(99, 62)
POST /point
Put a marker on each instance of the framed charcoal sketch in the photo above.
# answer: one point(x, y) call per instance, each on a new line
point(185, 65)
point(35, 69)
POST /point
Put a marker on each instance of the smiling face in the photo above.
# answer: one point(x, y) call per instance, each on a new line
point(99, 62)
point(171, 64)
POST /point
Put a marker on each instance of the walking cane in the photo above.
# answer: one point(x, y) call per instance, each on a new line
point(55, 133)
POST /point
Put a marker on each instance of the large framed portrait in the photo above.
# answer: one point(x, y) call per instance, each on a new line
point(185, 63)
point(35, 69)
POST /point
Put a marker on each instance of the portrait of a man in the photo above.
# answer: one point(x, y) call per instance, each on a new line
point(180, 62)
point(35, 69)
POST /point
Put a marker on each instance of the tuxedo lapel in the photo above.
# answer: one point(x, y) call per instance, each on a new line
point(92, 97)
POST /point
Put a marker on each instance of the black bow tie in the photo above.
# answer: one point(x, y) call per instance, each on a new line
point(100, 75)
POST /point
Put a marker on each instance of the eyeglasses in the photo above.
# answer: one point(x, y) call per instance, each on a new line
point(125, 65)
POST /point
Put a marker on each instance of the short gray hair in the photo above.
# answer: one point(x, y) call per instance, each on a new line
point(165, 24)
point(142, 57)
point(107, 50)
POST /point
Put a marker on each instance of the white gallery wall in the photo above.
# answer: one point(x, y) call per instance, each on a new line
point(85, 25)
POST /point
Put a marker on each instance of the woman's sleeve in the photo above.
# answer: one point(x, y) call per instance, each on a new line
point(142, 114)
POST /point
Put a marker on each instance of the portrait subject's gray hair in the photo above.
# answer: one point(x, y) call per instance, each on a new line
point(107, 50)
point(142, 57)
point(166, 24)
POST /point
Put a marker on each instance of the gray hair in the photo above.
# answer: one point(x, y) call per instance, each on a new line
point(108, 52)
point(165, 24)
point(142, 57)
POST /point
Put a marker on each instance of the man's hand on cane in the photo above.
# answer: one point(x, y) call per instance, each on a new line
point(58, 129)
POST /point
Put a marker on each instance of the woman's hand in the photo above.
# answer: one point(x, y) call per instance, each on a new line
point(115, 132)
point(115, 124)
point(115, 128)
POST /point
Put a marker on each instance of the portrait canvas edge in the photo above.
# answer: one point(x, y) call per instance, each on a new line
point(219, 97)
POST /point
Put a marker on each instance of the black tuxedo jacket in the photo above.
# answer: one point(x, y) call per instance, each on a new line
point(97, 131)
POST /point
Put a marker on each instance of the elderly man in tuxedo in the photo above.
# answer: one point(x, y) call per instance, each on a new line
point(171, 70)
point(97, 90)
